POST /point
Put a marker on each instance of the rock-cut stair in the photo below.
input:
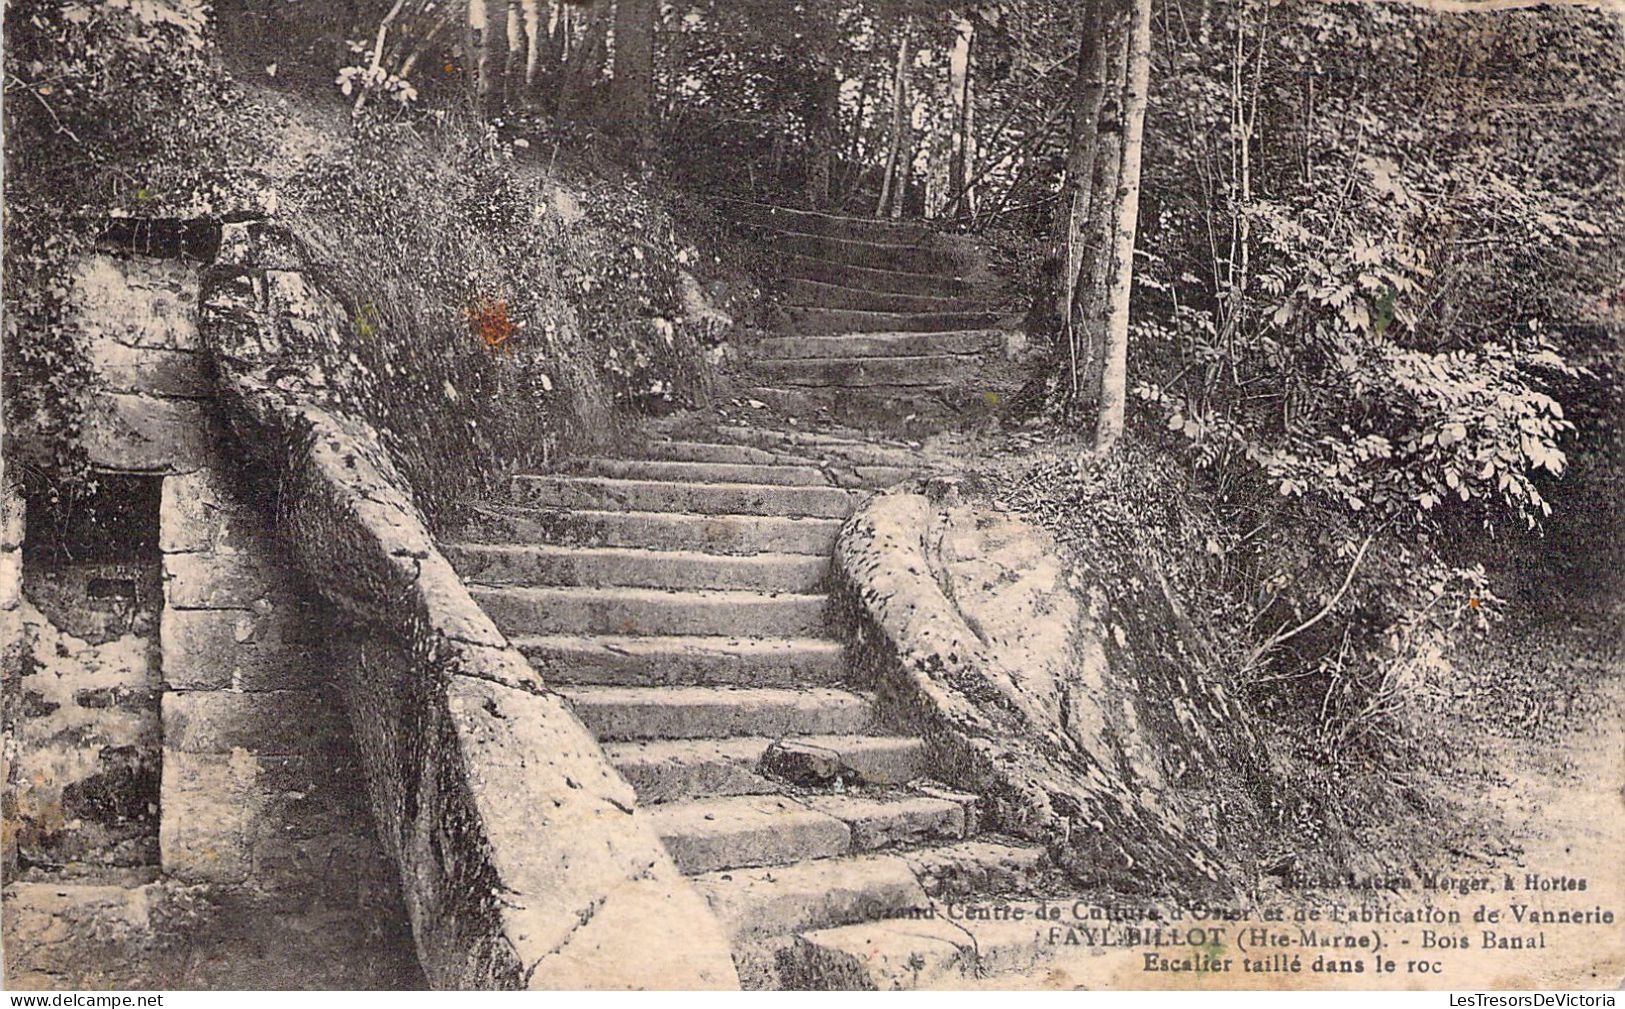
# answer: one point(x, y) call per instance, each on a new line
point(678, 598)
point(885, 325)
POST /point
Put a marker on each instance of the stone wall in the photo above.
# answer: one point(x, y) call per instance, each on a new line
point(256, 789)
point(84, 721)
point(287, 603)
point(138, 320)
point(522, 858)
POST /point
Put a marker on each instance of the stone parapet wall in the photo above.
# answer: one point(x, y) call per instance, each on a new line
point(523, 862)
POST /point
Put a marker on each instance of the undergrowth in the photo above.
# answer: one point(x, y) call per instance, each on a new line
point(1349, 707)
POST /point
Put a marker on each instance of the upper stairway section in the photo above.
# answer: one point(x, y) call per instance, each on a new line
point(883, 325)
point(855, 274)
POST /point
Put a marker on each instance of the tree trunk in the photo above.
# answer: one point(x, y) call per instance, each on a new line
point(586, 64)
point(964, 153)
point(1089, 305)
point(561, 37)
point(377, 58)
point(1114, 380)
point(1089, 90)
point(531, 12)
point(632, 88)
point(823, 116)
point(908, 154)
point(479, 54)
point(514, 56)
point(899, 121)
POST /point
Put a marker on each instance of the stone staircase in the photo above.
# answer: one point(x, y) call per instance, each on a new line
point(676, 593)
point(885, 325)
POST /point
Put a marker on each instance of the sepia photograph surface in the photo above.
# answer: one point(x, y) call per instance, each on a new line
point(813, 495)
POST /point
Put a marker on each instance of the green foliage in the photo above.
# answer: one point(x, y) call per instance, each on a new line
point(420, 222)
point(1359, 684)
point(114, 104)
point(1342, 403)
point(1371, 352)
point(49, 381)
point(1356, 312)
point(1367, 313)
point(111, 106)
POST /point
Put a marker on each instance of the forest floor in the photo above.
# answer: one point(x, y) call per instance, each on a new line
point(1534, 791)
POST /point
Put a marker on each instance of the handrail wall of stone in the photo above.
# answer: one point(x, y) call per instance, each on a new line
point(522, 860)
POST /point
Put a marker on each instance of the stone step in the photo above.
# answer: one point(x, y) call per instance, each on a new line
point(903, 954)
point(850, 345)
point(699, 451)
point(814, 293)
point(535, 565)
point(837, 467)
point(746, 830)
point(734, 832)
point(980, 866)
point(762, 903)
point(926, 256)
point(927, 370)
point(889, 409)
point(887, 822)
point(623, 713)
point(862, 450)
point(719, 534)
point(869, 278)
point(835, 321)
point(608, 494)
point(703, 472)
point(686, 660)
point(814, 222)
point(831, 762)
point(629, 611)
point(667, 770)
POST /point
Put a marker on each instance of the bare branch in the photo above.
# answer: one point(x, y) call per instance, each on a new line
point(1282, 637)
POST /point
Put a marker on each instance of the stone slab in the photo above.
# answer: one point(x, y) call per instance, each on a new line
point(147, 434)
point(266, 723)
point(263, 648)
point(731, 832)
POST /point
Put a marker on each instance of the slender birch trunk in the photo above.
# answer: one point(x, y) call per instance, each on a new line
point(899, 120)
point(961, 75)
point(1114, 380)
point(375, 61)
point(531, 11)
point(561, 29)
point(1090, 305)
